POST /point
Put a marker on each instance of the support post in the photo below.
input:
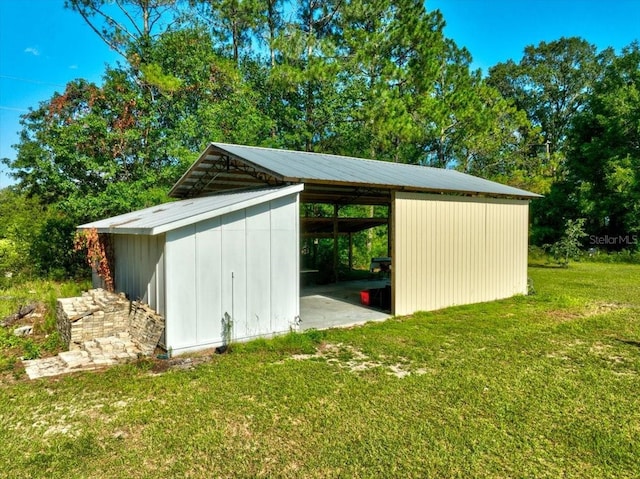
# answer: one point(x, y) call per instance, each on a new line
point(391, 241)
point(350, 251)
point(335, 243)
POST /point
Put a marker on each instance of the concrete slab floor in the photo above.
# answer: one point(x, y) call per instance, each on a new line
point(338, 305)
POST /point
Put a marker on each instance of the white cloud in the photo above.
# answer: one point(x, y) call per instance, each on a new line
point(32, 50)
point(73, 67)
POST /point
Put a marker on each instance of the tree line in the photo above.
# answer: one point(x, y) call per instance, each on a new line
point(368, 78)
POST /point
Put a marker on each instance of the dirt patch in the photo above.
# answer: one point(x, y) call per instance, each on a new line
point(562, 315)
point(24, 314)
point(608, 352)
point(572, 352)
point(354, 360)
point(31, 315)
point(590, 309)
point(160, 364)
point(602, 307)
point(53, 419)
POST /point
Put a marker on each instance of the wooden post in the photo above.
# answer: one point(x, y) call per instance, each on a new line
point(389, 233)
point(391, 242)
point(350, 251)
point(335, 243)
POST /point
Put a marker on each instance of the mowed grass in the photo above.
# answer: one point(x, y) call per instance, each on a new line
point(541, 386)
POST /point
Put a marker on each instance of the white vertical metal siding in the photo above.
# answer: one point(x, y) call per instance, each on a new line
point(234, 271)
point(244, 264)
point(180, 283)
point(450, 250)
point(285, 262)
point(208, 281)
point(139, 268)
point(258, 271)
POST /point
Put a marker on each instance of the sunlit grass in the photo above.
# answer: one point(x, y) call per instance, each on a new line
point(539, 386)
point(44, 340)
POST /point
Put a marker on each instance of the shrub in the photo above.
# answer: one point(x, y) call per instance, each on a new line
point(53, 343)
point(31, 349)
point(52, 250)
point(568, 247)
point(623, 256)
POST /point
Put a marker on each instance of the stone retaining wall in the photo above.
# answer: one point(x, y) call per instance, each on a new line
point(99, 313)
point(145, 327)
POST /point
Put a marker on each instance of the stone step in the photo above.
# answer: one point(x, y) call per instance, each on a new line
point(110, 345)
point(91, 344)
point(75, 359)
point(93, 354)
point(104, 360)
point(39, 368)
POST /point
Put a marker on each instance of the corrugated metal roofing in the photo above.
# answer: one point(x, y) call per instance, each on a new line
point(170, 216)
point(318, 168)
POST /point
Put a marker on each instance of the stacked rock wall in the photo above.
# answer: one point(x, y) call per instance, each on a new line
point(145, 326)
point(100, 314)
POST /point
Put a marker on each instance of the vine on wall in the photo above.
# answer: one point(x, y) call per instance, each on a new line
point(99, 253)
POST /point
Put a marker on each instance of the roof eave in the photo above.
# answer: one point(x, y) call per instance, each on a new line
point(212, 149)
point(195, 164)
point(189, 220)
point(279, 193)
point(518, 194)
point(120, 231)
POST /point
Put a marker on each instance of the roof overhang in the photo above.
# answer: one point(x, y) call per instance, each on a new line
point(171, 216)
point(217, 171)
point(221, 168)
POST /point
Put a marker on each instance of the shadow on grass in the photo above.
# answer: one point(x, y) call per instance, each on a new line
point(547, 266)
point(629, 342)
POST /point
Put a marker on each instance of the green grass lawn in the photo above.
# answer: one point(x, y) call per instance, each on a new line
point(541, 386)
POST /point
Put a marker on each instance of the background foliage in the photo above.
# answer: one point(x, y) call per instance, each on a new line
point(375, 79)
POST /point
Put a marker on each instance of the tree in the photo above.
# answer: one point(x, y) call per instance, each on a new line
point(234, 23)
point(88, 137)
point(127, 26)
point(81, 143)
point(393, 53)
point(305, 75)
point(374, 79)
point(213, 101)
point(95, 151)
point(271, 25)
point(60, 147)
point(551, 84)
point(568, 247)
point(603, 158)
point(20, 220)
point(412, 95)
point(497, 141)
point(472, 128)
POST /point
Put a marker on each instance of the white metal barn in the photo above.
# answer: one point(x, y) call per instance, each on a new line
point(453, 238)
point(199, 261)
point(231, 246)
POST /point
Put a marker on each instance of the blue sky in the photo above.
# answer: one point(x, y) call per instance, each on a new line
point(43, 46)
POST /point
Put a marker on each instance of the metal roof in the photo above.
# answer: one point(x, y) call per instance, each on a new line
point(225, 166)
point(170, 216)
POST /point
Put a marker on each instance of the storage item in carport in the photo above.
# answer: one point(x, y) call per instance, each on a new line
point(365, 297)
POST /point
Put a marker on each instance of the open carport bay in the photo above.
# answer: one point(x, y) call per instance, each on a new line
point(338, 305)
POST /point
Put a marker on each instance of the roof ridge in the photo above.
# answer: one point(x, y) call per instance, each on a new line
point(340, 171)
point(281, 150)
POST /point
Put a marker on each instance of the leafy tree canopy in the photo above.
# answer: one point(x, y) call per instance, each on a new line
point(374, 79)
point(603, 159)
